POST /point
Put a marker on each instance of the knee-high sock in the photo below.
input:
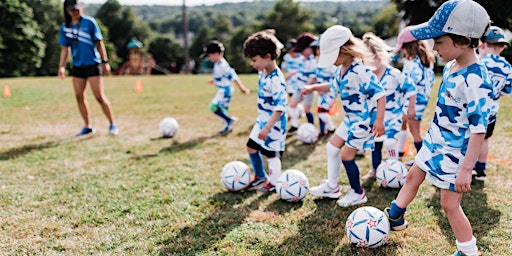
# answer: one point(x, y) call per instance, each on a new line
point(391, 148)
point(377, 155)
point(402, 137)
point(333, 164)
point(321, 125)
point(274, 169)
point(257, 164)
point(310, 117)
point(223, 115)
point(418, 145)
point(326, 118)
point(353, 175)
point(294, 116)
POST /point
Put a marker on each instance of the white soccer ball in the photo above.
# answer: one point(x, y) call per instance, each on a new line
point(292, 185)
point(391, 174)
point(367, 227)
point(307, 133)
point(235, 176)
point(168, 127)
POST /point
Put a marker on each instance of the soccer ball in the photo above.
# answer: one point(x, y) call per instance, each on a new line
point(235, 176)
point(391, 174)
point(292, 185)
point(307, 133)
point(367, 227)
point(169, 127)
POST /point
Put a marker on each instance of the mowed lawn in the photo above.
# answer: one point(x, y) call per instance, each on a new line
point(137, 194)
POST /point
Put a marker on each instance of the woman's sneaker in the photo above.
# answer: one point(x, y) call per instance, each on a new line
point(256, 183)
point(113, 130)
point(397, 224)
point(323, 190)
point(85, 131)
point(352, 198)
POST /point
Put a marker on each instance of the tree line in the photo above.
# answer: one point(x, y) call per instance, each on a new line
point(30, 30)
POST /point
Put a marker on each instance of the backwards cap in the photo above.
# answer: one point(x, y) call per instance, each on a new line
point(330, 43)
point(459, 17)
point(212, 47)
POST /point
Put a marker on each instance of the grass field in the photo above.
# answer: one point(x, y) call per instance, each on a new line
point(136, 194)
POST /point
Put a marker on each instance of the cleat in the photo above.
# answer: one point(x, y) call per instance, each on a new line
point(256, 183)
point(352, 198)
point(323, 190)
point(292, 131)
point(397, 224)
point(267, 187)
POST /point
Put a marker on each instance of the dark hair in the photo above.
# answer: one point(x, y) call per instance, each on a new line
point(67, 17)
point(419, 48)
point(261, 44)
point(463, 40)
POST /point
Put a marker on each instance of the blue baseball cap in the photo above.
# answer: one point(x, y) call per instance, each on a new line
point(459, 17)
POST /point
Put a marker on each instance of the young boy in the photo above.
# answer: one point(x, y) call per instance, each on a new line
point(457, 132)
point(268, 135)
point(500, 72)
point(223, 76)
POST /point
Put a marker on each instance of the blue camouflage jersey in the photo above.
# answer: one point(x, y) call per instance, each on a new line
point(325, 75)
point(399, 88)
point(307, 69)
point(290, 65)
point(500, 72)
point(82, 39)
point(223, 76)
point(423, 78)
point(359, 91)
point(271, 97)
point(463, 105)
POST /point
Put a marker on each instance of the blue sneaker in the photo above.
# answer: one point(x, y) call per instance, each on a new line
point(397, 224)
point(113, 130)
point(256, 183)
point(85, 131)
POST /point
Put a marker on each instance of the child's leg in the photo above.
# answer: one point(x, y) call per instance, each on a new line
point(450, 201)
point(333, 164)
point(414, 126)
point(220, 113)
point(391, 148)
point(294, 113)
point(327, 120)
point(402, 136)
point(321, 124)
point(274, 169)
point(377, 155)
point(257, 162)
point(408, 192)
point(348, 156)
point(308, 102)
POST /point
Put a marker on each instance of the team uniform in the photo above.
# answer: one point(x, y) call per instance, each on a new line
point(307, 70)
point(290, 65)
point(359, 91)
point(423, 77)
point(326, 99)
point(223, 77)
point(463, 107)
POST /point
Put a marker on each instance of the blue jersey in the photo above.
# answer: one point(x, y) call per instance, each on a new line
point(307, 70)
point(223, 76)
point(271, 97)
point(423, 78)
point(463, 106)
point(500, 72)
point(290, 65)
point(325, 75)
point(82, 39)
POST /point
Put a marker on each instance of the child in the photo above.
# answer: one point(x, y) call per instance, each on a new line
point(398, 88)
point(223, 76)
point(457, 132)
point(307, 69)
point(364, 103)
point(500, 72)
point(419, 66)
point(268, 135)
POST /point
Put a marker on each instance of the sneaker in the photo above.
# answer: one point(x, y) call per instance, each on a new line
point(267, 187)
point(479, 175)
point(372, 174)
point(396, 224)
point(323, 190)
point(292, 131)
point(352, 198)
point(113, 130)
point(86, 130)
point(232, 123)
point(410, 163)
point(256, 183)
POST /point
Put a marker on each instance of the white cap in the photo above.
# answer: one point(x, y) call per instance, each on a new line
point(330, 43)
point(459, 17)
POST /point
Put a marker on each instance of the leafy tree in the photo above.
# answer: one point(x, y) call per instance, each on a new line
point(165, 51)
point(385, 23)
point(21, 42)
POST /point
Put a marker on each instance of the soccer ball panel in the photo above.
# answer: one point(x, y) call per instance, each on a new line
point(391, 174)
point(307, 133)
point(235, 176)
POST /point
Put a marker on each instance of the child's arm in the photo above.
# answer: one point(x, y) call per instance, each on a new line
point(307, 89)
point(378, 126)
point(289, 75)
point(271, 122)
point(241, 86)
point(463, 180)
point(411, 111)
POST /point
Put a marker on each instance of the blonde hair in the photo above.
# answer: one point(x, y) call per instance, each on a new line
point(377, 46)
point(357, 49)
point(419, 48)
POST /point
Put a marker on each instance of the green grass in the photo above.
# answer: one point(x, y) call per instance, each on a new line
point(136, 194)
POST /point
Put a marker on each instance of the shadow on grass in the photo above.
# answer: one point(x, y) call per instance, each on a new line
point(225, 216)
point(482, 217)
point(296, 151)
point(26, 149)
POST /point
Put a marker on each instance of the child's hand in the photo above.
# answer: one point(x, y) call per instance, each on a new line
point(411, 113)
point(306, 89)
point(246, 91)
point(378, 128)
point(211, 81)
point(263, 134)
point(463, 181)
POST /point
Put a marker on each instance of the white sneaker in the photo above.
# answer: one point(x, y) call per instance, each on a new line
point(352, 198)
point(323, 190)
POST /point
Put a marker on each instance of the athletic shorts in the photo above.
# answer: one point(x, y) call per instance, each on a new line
point(490, 129)
point(307, 100)
point(270, 154)
point(87, 71)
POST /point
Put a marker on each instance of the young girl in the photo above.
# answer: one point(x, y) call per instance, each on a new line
point(223, 76)
point(399, 89)
point(457, 132)
point(268, 135)
point(419, 66)
point(364, 102)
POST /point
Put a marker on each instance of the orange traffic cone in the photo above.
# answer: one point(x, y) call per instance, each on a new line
point(7, 91)
point(138, 86)
point(406, 149)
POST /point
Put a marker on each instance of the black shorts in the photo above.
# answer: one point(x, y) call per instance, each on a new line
point(270, 154)
point(87, 71)
point(490, 129)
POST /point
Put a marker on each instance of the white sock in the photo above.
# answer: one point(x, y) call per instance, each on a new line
point(402, 137)
point(391, 148)
point(469, 248)
point(326, 118)
point(294, 116)
point(333, 164)
point(274, 169)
